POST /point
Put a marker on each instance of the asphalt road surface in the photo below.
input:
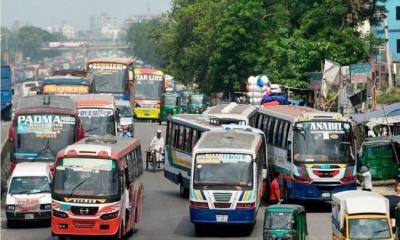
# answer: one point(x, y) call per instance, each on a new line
point(166, 214)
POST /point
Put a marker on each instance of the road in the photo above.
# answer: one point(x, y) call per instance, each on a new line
point(166, 214)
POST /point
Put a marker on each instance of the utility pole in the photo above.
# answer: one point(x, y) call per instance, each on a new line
point(388, 57)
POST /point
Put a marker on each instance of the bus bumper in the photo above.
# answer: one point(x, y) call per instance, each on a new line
point(86, 227)
point(324, 192)
point(214, 216)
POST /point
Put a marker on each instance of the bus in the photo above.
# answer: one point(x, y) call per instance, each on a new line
point(149, 85)
point(226, 178)
point(97, 113)
point(97, 188)
point(112, 75)
point(183, 132)
point(243, 112)
point(65, 85)
point(43, 124)
point(313, 151)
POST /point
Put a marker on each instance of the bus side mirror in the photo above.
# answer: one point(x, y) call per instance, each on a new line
point(12, 91)
point(11, 134)
point(80, 133)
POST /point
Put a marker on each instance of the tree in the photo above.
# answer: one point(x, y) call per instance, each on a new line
point(141, 41)
point(31, 39)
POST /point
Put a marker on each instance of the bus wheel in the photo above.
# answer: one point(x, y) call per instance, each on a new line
point(118, 235)
point(184, 192)
point(199, 230)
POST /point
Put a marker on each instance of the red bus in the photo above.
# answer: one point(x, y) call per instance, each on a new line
point(43, 125)
point(97, 189)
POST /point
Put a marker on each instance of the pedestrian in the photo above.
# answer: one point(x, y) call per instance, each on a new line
point(275, 191)
point(365, 174)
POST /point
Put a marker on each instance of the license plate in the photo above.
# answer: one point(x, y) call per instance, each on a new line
point(29, 216)
point(326, 195)
point(222, 218)
point(146, 113)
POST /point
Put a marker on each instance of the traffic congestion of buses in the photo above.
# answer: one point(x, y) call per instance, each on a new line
point(77, 162)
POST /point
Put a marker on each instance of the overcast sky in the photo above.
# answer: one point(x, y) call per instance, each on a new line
point(76, 12)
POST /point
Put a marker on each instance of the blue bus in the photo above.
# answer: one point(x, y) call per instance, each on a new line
point(6, 93)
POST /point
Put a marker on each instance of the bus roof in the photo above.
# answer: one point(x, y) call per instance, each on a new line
point(94, 100)
point(232, 108)
point(228, 140)
point(299, 113)
point(194, 120)
point(38, 103)
point(148, 71)
point(115, 147)
point(293, 207)
point(65, 80)
point(125, 61)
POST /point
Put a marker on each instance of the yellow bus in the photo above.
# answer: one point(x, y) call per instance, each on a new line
point(149, 85)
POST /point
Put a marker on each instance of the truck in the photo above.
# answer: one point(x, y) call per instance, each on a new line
point(360, 215)
point(6, 93)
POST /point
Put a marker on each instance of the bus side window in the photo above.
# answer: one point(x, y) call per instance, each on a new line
point(194, 138)
point(135, 164)
point(168, 133)
point(130, 167)
point(285, 134)
point(176, 136)
point(259, 121)
point(270, 128)
point(265, 126)
point(188, 139)
point(140, 160)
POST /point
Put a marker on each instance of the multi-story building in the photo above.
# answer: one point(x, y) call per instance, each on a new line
point(97, 23)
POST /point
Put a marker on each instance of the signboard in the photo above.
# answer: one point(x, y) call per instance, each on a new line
point(43, 126)
point(358, 98)
point(96, 112)
point(222, 157)
point(149, 77)
point(106, 66)
point(315, 80)
point(65, 89)
point(360, 73)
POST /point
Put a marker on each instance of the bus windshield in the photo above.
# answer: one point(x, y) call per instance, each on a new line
point(323, 142)
point(223, 171)
point(76, 177)
point(41, 136)
point(97, 121)
point(147, 89)
point(370, 228)
point(110, 80)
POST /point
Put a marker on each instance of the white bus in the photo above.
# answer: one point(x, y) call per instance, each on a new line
point(233, 112)
point(183, 132)
point(226, 178)
point(313, 151)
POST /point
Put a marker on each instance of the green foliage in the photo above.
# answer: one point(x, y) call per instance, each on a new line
point(389, 96)
point(220, 43)
point(30, 40)
point(140, 37)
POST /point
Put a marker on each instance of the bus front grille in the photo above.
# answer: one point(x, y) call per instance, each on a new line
point(84, 223)
point(82, 210)
point(222, 197)
point(222, 204)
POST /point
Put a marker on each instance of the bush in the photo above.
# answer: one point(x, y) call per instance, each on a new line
point(389, 96)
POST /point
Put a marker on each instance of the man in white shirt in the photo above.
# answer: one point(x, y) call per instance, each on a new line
point(366, 178)
point(157, 145)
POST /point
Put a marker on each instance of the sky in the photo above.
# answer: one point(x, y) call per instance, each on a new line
point(76, 12)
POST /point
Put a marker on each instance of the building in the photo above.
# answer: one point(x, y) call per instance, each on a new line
point(97, 22)
point(393, 23)
point(68, 31)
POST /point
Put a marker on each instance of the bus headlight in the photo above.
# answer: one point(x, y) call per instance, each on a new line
point(59, 214)
point(45, 206)
point(109, 216)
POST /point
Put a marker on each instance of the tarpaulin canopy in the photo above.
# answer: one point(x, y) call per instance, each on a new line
point(389, 110)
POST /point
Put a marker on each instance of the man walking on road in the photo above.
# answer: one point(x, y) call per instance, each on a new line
point(365, 174)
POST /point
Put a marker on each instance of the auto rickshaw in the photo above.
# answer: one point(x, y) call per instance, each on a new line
point(169, 105)
point(196, 103)
point(285, 221)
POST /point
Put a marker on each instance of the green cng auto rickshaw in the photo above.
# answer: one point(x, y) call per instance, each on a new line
point(285, 221)
point(169, 105)
point(380, 155)
point(196, 103)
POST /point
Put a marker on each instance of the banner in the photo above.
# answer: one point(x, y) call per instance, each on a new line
point(360, 73)
point(331, 72)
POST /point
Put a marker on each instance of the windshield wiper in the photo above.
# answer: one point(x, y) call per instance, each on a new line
point(91, 129)
point(77, 186)
point(46, 150)
point(22, 192)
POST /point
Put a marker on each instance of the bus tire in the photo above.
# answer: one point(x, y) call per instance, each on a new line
point(118, 235)
point(11, 223)
point(199, 230)
point(184, 192)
